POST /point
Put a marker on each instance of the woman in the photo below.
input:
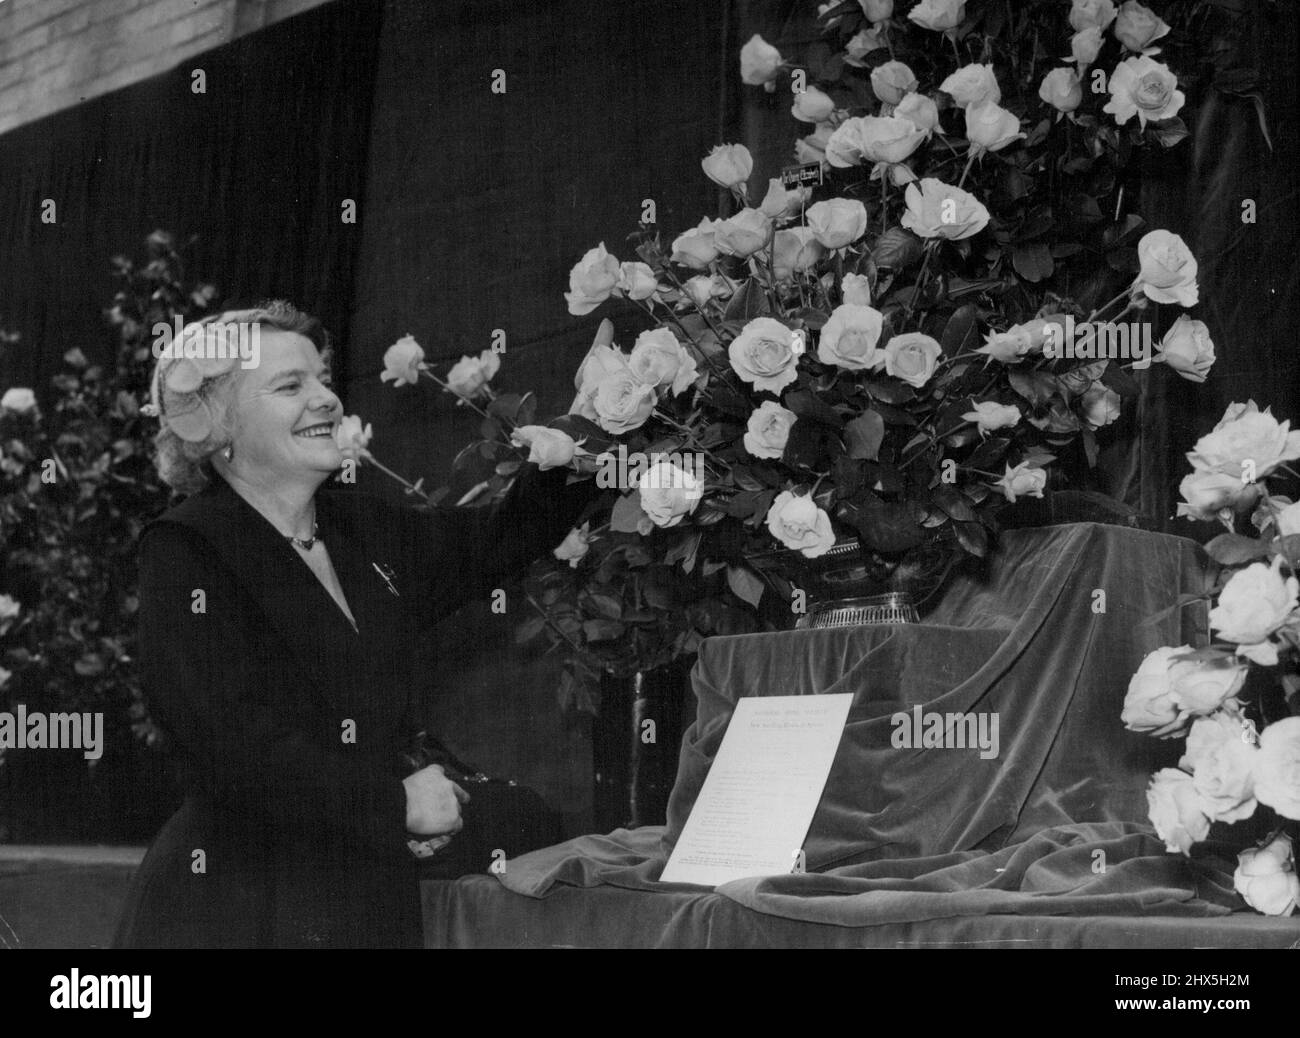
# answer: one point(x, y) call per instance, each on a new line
point(276, 624)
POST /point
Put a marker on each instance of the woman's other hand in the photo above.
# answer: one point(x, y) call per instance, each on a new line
point(433, 802)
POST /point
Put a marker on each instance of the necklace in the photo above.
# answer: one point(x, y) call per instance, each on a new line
point(306, 545)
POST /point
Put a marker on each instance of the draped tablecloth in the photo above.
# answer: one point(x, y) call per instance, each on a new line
point(1047, 843)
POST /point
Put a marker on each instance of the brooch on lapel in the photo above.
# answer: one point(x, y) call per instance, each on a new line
point(386, 574)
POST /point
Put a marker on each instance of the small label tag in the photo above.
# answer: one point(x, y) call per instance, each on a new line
point(802, 176)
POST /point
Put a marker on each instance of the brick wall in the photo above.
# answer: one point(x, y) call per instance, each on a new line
point(57, 53)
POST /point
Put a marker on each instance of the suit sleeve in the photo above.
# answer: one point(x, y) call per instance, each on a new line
point(214, 685)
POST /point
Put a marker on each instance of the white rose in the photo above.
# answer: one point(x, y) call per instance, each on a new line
point(402, 362)
point(1138, 27)
point(856, 289)
point(795, 250)
point(469, 375)
point(990, 416)
point(800, 525)
point(1168, 272)
point(866, 40)
point(1277, 768)
point(1085, 46)
point(931, 214)
point(938, 15)
point(912, 357)
point(877, 10)
point(620, 402)
point(1266, 877)
point(660, 360)
point(18, 400)
point(1025, 480)
point(990, 127)
point(920, 111)
point(760, 63)
point(743, 234)
point(972, 85)
point(813, 147)
point(873, 138)
point(637, 280)
point(838, 222)
point(1100, 406)
point(1288, 521)
point(592, 281)
point(548, 448)
point(812, 106)
point(1252, 439)
point(1062, 89)
point(849, 338)
point(763, 354)
point(574, 546)
point(696, 248)
point(1204, 686)
point(351, 437)
point(704, 287)
point(1205, 494)
point(1176, 810)
point(891, 81)
point(1188, 349)
point(1090, 14)
point(1254, 603)
point(1009, 347)
point(728, 165)
point(668, 493)
point(782, 203)
point(1143, 87)
point(1221, 764)
point(1149, 704)
point(768, 430)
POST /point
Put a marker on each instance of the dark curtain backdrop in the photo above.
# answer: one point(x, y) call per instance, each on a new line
point(256, 168)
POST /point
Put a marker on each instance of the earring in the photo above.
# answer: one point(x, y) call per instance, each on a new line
point(228, 453)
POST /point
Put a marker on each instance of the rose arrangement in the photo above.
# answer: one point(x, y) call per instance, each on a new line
point(885, 345)
point(1231, 766)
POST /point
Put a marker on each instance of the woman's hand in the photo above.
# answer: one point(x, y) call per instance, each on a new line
point(433, 802)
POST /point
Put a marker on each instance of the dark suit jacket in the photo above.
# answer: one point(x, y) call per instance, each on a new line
point(289, 723)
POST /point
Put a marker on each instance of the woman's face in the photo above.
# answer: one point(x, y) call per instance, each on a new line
point(286, 413)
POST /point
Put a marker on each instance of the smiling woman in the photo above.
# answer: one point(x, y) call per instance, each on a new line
point(276, 617)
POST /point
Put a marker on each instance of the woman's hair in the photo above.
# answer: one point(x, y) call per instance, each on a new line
point(185, 465)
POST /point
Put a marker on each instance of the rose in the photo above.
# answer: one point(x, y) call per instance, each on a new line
point(1138, 27)
point(838, 222)
point(849, 337)
point(1025, 480)
point(1090, 14)
point(704, 287)
point(813, 147)
point(1266, 877)
point(668, 493)
point(760, 64)
point(1149, 704)
point(763, 354)
point(990, 127)
point(782, 203)
point(1176, 810)
point(1143, 87)
point(891, 81)
point(856, 289)
point(696, 248)
point(877, 10)
point(938, 15)
point(1061, 89)
point(920, 111)
point(1188, 349)
point(1009, 347)
point(972, 85)
point(591, 281)
point(799, 524)
point(768, 430)
point(637, 280)
point(1204, 686)
point(1277, 768)
point(1288, 520)
point(548, 448)
point(1085, 45)
point(619, 402)
point(352, 438)
point(1100, 406)
point(1221, 764)
point(402, 362)
point(18, 400)
point(470, 375)
point(728, 165)
point(743, 234)
point(812, 106)
point(574, 546)
point(990, 416)
point(875, 138)
point(862, 44)
point(912, 358)
point(1248, 445)
point(1168, 269)
point(794, 249)
point(939, 210)
point(660, 360)
point(1206, 494)
point(1252, 605)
